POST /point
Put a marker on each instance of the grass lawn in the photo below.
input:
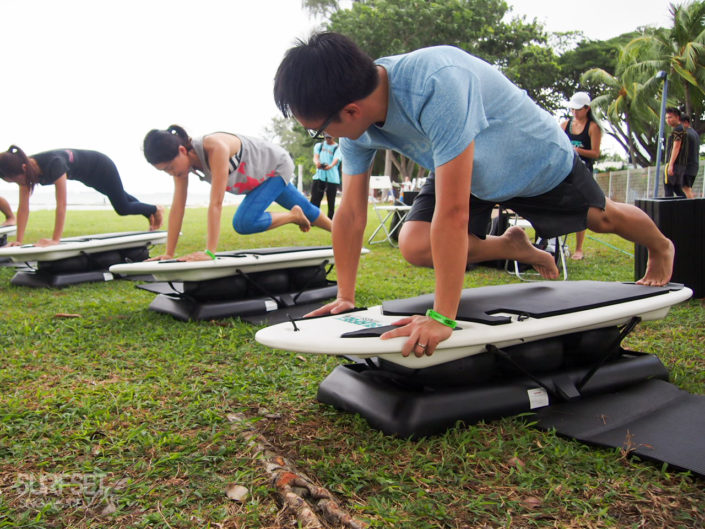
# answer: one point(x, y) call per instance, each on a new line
point(120, 417)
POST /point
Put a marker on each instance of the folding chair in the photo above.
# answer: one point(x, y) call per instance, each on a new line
point(398, 211)
point(557, 246)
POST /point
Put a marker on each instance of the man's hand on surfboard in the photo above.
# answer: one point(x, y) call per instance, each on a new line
point(163, 257)
point(424, 335)
point(334, 307)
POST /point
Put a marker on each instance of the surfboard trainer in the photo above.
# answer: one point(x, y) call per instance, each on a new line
point(542, 347)
point(81, 259)
point(264, 284)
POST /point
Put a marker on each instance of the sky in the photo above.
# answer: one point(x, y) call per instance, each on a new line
point(99, 75)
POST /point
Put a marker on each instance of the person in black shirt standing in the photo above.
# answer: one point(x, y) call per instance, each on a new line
point(693, 163)
point(677, 153)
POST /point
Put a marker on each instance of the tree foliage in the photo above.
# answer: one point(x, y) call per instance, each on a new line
point(288, 133)
point(620, 73)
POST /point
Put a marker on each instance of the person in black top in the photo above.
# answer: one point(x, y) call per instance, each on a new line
point(54, 167)
point(585, 134)
point(677, 153)
point(693, 163)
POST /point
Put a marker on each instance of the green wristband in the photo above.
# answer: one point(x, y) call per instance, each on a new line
point(440, 318)
point(209, 254)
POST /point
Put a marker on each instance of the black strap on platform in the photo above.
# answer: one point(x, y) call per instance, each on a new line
point(176, 291)
point(612, 350)
point(507, 357)
point(260, 288)
point(303, 288)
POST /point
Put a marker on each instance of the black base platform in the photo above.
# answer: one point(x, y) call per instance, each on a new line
point(397, 406)
point(256, 310)
point(38, 279)
point(261, 297)
point(84, 268)
point(584, 385)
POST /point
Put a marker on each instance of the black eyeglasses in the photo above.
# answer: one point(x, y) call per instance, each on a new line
point(317, 134)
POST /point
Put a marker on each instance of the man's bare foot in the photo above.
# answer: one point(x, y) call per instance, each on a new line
point(659, 267)
point(300, 219)
point(8, 222)
point(523, 251)
point(156, 219)
point(577, 255)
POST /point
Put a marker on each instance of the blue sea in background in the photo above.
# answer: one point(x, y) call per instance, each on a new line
point(82, 197)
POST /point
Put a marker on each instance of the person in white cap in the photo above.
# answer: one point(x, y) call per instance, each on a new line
point(585, 135)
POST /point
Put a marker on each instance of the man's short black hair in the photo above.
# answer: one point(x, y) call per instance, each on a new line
point(319, 77)
point(685, 118)
point(673, 110)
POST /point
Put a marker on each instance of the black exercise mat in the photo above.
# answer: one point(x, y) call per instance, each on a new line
point(654, 420)
point(537, 299)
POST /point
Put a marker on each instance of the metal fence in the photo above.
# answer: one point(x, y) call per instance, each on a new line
point(629, 185)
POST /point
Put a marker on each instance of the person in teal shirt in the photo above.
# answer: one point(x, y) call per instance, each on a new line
point(486, 143)
point(327, 159)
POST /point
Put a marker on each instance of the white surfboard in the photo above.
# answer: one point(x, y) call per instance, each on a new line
point(73, 246)
point(8, 230)
point(523, 312)
point(230, 263)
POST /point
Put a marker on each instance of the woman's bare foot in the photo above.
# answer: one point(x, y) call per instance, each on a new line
point(577, 255)
point(156, 219)
point(521, 249)
point(300, 219)
point(659, 266)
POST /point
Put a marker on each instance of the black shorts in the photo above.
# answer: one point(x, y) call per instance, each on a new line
point(560, 211)
point(689, 179)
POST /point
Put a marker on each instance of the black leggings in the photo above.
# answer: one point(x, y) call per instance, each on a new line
point(317, 189)
point(105, 178)
point(670, 190)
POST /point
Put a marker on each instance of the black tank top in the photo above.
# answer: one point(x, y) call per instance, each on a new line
point(581, 140)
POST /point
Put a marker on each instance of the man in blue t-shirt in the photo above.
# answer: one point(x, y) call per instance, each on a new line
point(326, 158)
point(462, 119)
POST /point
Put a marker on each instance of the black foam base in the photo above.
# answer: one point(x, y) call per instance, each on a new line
point(38, 279)
point(259, 309)
point(83, 268)
point(653, 420)
point(396, 407)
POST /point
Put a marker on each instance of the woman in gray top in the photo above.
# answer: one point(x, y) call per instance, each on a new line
point(237, 164)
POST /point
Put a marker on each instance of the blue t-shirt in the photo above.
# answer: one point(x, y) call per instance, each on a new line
point(440, 100)
point(326, 155)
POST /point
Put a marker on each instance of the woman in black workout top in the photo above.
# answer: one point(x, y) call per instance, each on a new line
point(91, 168)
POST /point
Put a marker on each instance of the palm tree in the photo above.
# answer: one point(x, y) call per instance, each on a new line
point(679, 51)
point(627, 104)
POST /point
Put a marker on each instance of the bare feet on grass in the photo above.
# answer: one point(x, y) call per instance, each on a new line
point(659, 267)
point(523, 251)
point(156, 219)
point(300, 219)
point(577, 255)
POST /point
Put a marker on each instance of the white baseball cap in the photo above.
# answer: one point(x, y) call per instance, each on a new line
point(579, 100)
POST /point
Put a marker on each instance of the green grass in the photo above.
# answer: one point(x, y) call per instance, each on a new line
point(121, 415)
